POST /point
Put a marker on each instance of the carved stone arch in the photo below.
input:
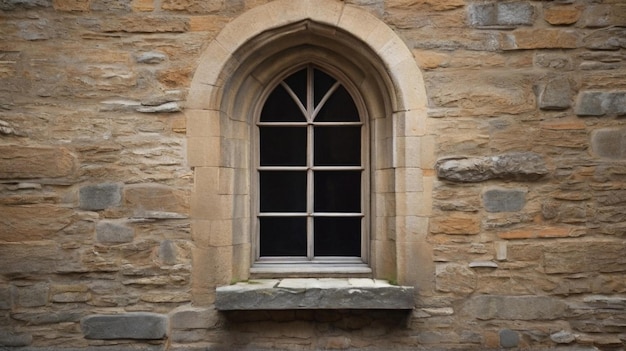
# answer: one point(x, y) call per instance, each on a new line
point(233, 73)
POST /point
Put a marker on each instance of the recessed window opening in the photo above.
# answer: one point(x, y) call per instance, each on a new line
point(311, 173)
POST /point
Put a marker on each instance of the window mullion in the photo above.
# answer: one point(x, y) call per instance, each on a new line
point(310, 189)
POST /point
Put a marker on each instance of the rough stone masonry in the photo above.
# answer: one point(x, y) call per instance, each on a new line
point(523, 153)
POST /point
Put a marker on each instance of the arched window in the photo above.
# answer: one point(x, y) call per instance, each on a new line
point(311, 172)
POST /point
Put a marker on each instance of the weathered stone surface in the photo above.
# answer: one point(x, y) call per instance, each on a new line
point(585, 256)
point(43, 316)
point(189, 317)
point(562, 337)
point(455, 224)
point(18, 162)
point(526, 166)
point(39, 257)
point(33, 222)
point(541, 39)
point(606, 39)
point(100, 196)
point(609, 142)
point(600, 103)
point(155, 197)
point(167, 107)
point(486, 307)
point(71, 5)
point(313, 294)
point(455, 278)
point(15, 339)
point(145, 24)
point(562, 14)
point(501, 14)
point(556, 95)
point(7, 5)
point(134, 325)
point(32, 295)
point(504, 200)
point(509, 338)
point(113, 232)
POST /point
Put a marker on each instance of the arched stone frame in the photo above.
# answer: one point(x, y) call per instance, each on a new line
point(231, 76)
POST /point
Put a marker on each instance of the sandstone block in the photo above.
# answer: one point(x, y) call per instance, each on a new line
point(34, 257)
point(18, 162)
point(455, 224)
point(71, 5)
point(155, 197)
point(33, 222)
point(609, 142)
point(7, 5)
point(526, 166)
point(501, 14)
point(145, 24)
point(133, 325)
point(42, 316)
point(606, 39)
point(455, 278)
point(556, 95)
point(541, 39)
point(188, 317)
point(100, 196)
point(585, 256)
point(110, 232)
point(562, 15)
point(486, 307)
point(504, 200)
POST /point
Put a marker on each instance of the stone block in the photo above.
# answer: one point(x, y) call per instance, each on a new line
point(606, 39)
point(167, 252)
point(562, 14)
point(42, 316)
point(486, 307)
point(114, 232)
point(603, 256)
point(37, 257)
point(100, 196)
point(541, 38)
point(155, 197)
point(504, 14)
point(145, 24)
point(133, 325)
point(521, 166)
point(188, 317)
point(556, 95)
point(562, 337)
point(609, 142)
point(313, 294)
point(504, 200)
point(508, 338)
point(27, 4)
point(33, 222)
point(35, 295)
point(15, 339)
point(600, 103)
point(71, 5)
point(19, 162)
point(455, 224)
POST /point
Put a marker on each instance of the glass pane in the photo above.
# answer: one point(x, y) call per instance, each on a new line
point(297, 83)
point(337, 236)
point(339, 108)
point(337, 146)
point(280, 107)
point(283, 236)
point(337, 191)
point(283, 146)
point(283, 191)
point(322, 83)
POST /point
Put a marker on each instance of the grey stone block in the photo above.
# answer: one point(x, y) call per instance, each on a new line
point(600, 103)
point(504, 200)
point(314, 294)
point(508, 338)
point(501, 14)
point(562, 337)
point(10, 339)
point(100, 196)
point(556, 95)
point(108, 232)
point(609, 142)
point(135, 325)
point(520, 166)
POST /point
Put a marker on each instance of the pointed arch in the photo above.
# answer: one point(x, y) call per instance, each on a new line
point(228, 85)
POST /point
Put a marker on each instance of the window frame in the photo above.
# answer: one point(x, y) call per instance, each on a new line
point(306, 266)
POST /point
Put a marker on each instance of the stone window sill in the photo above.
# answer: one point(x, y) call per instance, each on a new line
point(310, 293)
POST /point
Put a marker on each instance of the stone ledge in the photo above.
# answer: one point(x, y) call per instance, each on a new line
point(329, 293)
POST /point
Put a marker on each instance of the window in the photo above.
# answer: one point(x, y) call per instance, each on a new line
point(311, 174)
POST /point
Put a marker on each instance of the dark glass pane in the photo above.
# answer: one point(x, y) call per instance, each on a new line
point(283, 146)
point(280, 107)
point(339, 108)
point(297, 83)
point(337, 236)
point(322, 82)
point(337, 146)
point(283, 191)
point(283, 236)
point(337, 191)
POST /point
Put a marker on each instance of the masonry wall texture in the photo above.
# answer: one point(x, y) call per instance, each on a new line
point(526, 213)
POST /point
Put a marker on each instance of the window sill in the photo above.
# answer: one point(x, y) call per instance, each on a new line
point(325, 293)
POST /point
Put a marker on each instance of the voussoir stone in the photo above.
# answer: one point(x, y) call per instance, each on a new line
point(134, 325)
point(522, 166)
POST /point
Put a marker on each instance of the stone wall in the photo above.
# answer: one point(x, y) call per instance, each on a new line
point(526, 101)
